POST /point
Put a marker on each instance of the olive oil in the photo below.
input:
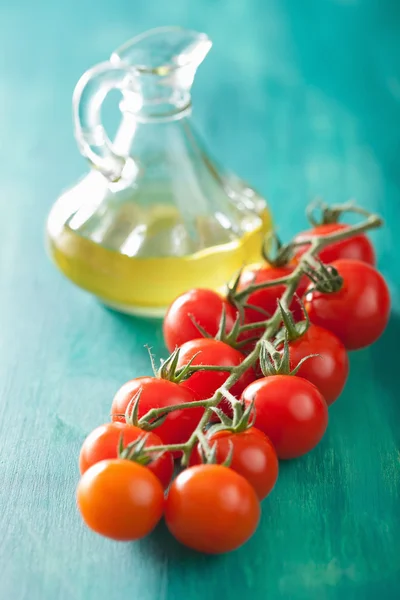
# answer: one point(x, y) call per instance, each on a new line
point(115, 264)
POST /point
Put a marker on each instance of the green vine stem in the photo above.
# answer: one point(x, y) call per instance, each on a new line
point(256, 325)
point(195, 368)
point(372, 222)
point(332, 214)
point(154, 413)
point(254, 287)
point(272, 325)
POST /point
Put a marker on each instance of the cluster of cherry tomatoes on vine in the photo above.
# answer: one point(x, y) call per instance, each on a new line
point(229, 441)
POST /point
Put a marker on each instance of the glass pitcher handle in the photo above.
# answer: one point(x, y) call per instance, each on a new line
point(88, 97)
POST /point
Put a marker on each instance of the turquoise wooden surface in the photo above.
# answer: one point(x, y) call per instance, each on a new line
point(301, 98)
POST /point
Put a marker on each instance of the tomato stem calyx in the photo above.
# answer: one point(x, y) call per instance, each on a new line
point(208, 454)
point(326, 278)
point(131, 413)
point(137, 451)
point(275, 362)
point(169, 369)
point(230, 337)
point(243, 417)
point(290, 328)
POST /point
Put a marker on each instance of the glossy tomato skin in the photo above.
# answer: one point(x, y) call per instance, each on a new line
point(358, 313)
point(267, 299)
point(329, 370)
point(120, 499)
point(211, 509)
point(291, 411)
point(102, 443)
point(205, 307)
point(254, 457)
point(358, 247)
point(157, 393)
point(203, 384)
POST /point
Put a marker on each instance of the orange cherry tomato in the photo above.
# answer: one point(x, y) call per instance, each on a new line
point(120, 499)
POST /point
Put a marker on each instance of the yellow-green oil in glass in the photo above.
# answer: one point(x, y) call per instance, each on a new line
point(138, 256)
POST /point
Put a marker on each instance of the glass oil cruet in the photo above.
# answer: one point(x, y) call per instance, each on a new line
point(154, 216)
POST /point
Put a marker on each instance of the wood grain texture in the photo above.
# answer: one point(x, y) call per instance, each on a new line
point(301, 98)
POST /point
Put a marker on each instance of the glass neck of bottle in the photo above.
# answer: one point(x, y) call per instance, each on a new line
point(165, 105)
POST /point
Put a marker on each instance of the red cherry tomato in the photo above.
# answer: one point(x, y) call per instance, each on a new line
point(357, 247)
point(290, 411)
point(329, 370)
point(254, 457)
point(203, 384)
point(102, 443)
point(212, 509)
point(358, 313)
point(267, 299)
point(120, 499)
point(205, 307)
point(158, 393)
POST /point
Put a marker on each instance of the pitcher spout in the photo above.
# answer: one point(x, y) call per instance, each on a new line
point(163, 50)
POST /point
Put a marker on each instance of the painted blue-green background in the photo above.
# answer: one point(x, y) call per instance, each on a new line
point(302, 98)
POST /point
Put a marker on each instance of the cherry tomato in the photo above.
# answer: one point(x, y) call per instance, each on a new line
point(357, 247)
point(102, 443)
point(329, 370)
point(203, 384)
point(358, 313)
point(205, 307)
point(254, 457)
point(120, 499)
point(212, 509)
point(157, 393)
point(267, 299)
point(290, 411)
